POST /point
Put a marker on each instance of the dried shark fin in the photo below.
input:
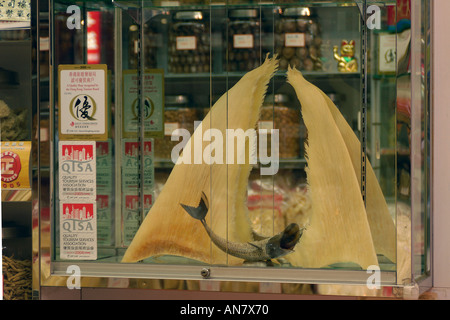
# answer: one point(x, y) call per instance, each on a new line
point(167, 228)
point(381, 224)
point(339, 230)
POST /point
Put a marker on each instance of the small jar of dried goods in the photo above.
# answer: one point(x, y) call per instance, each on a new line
point(243, 39)
point(178, 114)
point(189, 43)
point(298, 40)
point(151, 42)
point(277, 114)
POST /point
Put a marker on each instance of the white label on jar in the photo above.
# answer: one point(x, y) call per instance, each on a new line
point(44, 44)
point(170, 3)
point(267, 125)
point(187, 43)
point(170, 127)
point(136, 46)
point(294, 40)
point(44, 134)
point(243, 41)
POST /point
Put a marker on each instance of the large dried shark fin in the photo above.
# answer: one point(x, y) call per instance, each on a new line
point(339, 230)
point(168, 229)
point(381, 223)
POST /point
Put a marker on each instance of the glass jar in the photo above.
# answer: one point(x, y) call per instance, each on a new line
point(189, 43)
point(277, 114)
point(298, 40)
point(150, 44)
point(178, 114)
point(243, 41)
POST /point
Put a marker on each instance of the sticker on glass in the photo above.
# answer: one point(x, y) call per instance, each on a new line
point(77, 170)
point(78, 231)
point(131, 173)
point(151, 115)
point(15, 160)
point(82, 102)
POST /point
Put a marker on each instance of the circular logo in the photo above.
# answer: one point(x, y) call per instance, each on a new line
point(83, 108)
point(11, 166)
point(149, 108)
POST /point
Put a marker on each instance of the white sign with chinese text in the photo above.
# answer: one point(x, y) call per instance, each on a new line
point(83, 102)
point(152, 113)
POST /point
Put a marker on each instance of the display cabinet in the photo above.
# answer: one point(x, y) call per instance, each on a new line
point(237, 146)
point(15, 149)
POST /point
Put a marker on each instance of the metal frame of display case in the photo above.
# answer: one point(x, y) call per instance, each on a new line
point(122, 276)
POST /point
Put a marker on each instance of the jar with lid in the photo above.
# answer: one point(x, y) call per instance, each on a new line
point(276, 113)
point(150, 46)
point(243, 40)
point(178, 114)
point(298, 40)
point(189, 43)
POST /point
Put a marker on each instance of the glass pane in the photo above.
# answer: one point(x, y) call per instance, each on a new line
point(203, 73)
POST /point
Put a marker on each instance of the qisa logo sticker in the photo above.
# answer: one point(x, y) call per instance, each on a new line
point(78, 230)
point(77, 171)
point(77, 217)
point(77, 158)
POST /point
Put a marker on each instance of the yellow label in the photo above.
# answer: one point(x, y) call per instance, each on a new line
point(15, 165)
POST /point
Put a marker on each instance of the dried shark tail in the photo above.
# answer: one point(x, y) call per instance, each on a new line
point(199, 212)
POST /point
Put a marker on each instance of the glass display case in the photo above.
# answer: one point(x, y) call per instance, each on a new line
point(237, 146)
point(15, 149)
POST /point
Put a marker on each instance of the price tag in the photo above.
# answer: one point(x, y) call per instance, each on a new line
point(170, 127)
point(187, 43)
point(243, 41)
point(294, 40)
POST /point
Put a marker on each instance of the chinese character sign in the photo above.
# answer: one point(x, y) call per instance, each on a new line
point(82, 102)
